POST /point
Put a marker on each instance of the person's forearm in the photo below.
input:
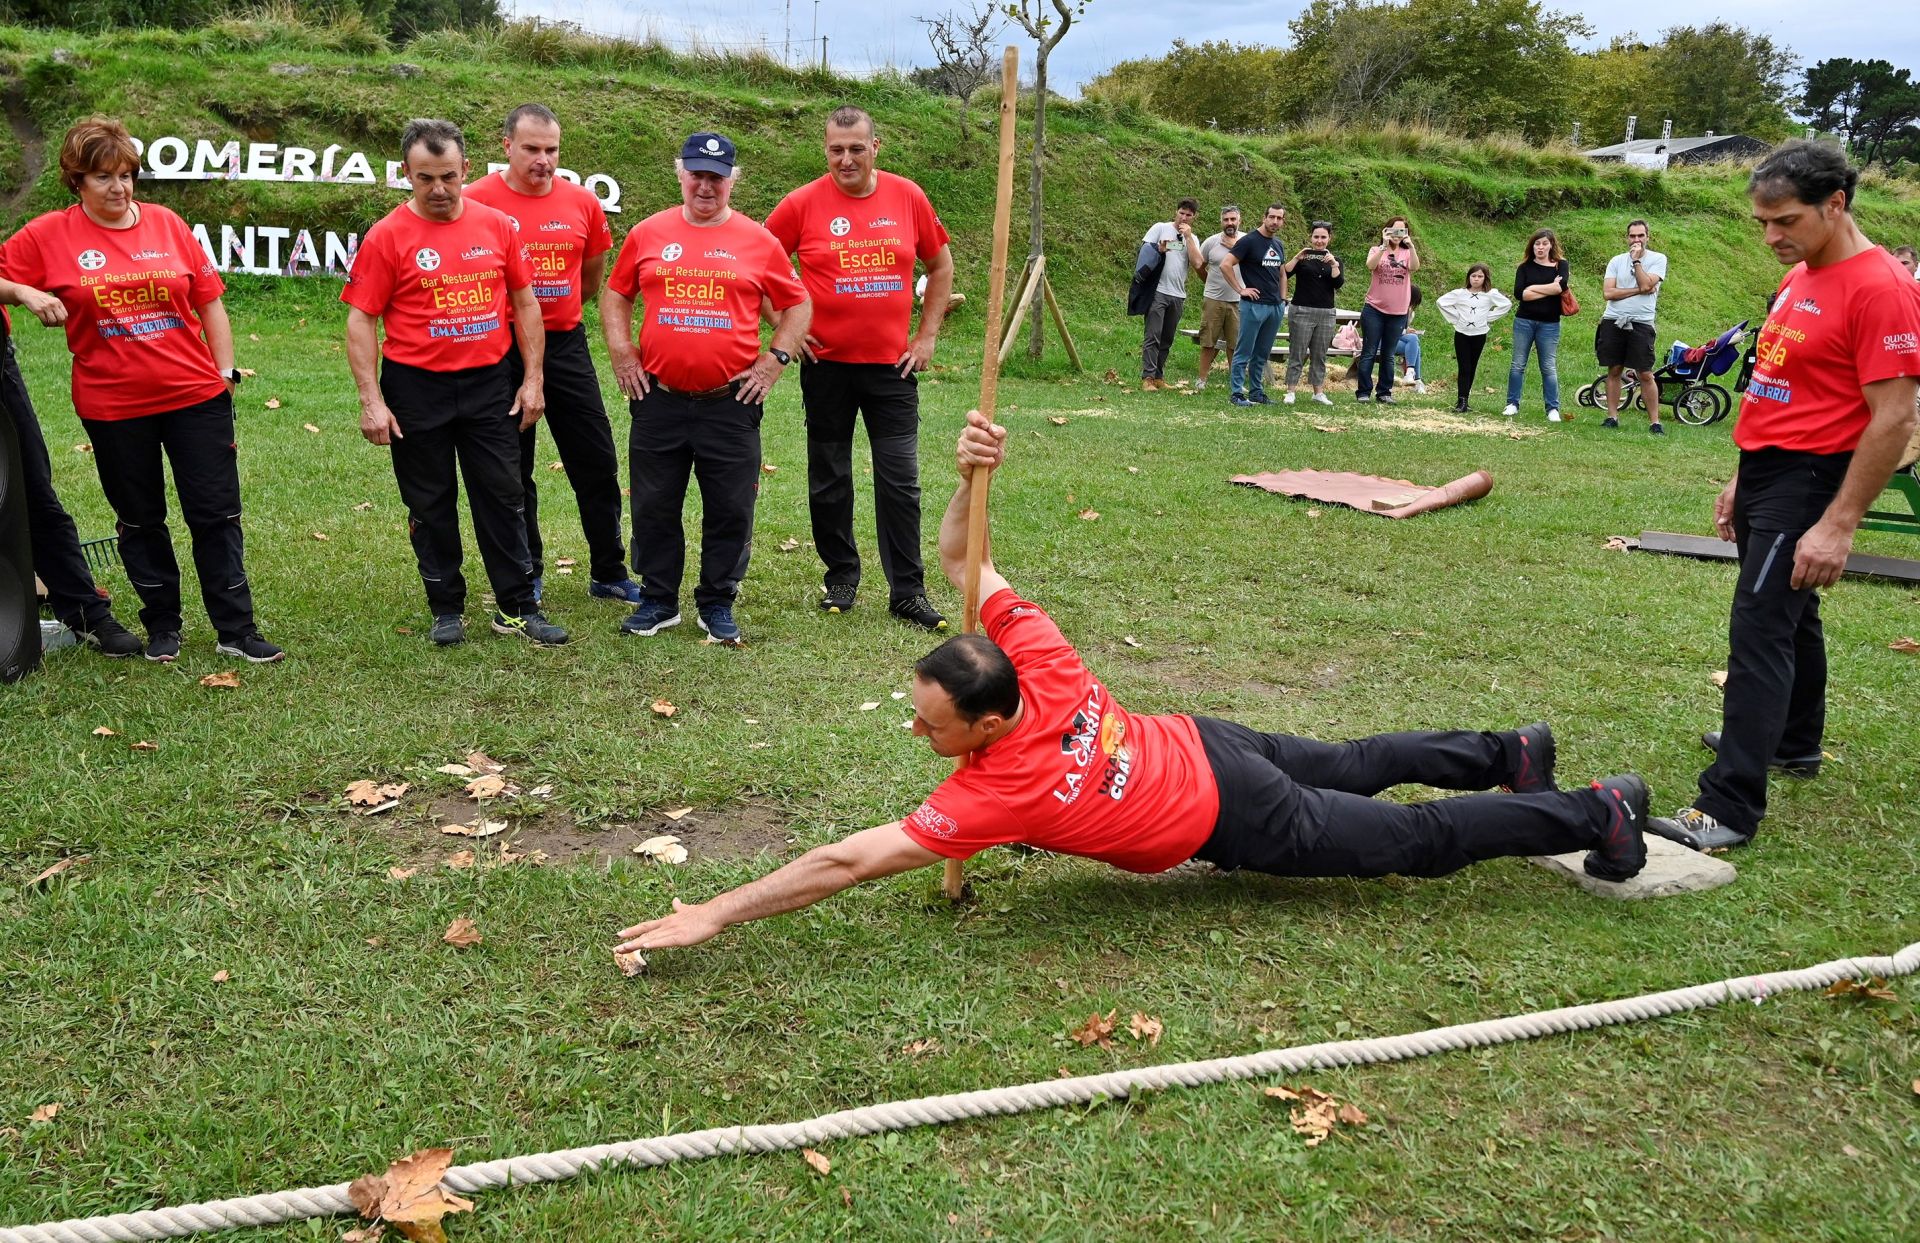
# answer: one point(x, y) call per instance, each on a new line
point(591, 274)
point(792, 330)
point(820, 873)
point(933, 306)
point(1375, 256)
point(363, 347)
point(1873, 463)
point(953, 536)
point(530, 331)
point(616, 323)
point(219, 333)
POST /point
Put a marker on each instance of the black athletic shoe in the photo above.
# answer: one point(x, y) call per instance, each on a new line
point(1533, 773)
point(532, 626)
point(164, 646)
point(1696, 830)
point(448, 629)
point(1623, 849)
point(1802, 768)
point(110, 638)
point(839, 598)
point(250, 646)
point(1658, 429)
point(918, 611)
point(1609, 421)
point(1460, 407)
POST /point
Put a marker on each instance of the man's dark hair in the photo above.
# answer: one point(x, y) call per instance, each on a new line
point(1192, 205)
point(846, 116)
point(435, 136)
point(1643, 224)
point(539, 112)
point(1810, 171)
point(1905, 251)
point(976, 673)
point(1279, 207)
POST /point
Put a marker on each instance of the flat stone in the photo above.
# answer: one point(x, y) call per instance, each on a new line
point(1671, 869)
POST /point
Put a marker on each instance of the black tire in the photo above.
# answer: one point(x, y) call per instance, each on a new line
point(1695, 405)
point(1722, 401)
point(1587, 396)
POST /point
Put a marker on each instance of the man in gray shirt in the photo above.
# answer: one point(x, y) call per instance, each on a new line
point(1625, 338)
point(1220, 308)
point(1182, 252)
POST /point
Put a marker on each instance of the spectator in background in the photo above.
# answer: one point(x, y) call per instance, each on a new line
point(1408, 347)
point(1625, 339)
point(1538, 284)
point(1219, 306)
point(1181, 254)
point(1909, 259)
point(1317, 274)
point(1471, 310)
point(1257, 271)
point(1389, 299)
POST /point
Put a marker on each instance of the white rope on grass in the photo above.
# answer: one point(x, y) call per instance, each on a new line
point(281, 1206)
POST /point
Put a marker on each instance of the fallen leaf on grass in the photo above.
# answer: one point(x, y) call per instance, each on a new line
point(789, 544)
point(144, 745)
point(846, 1197)
point(1089, 515)
point(321, 536)
point(368, 1235)
point(482, 762)
point(1618, 543)
point(1112, 376)
point(461, 933)
point(665, 848)
point(1097, 1029)
point(221, 977)
point(1352, 1116)
point(479, 828)
point(409, 1195)
point(1313, 513)
point(556, 465)
point(564, 562)
point(366, 797)
point(492, 785)
point(1145, 1027)
point(1317, 1113)
point(1719, 677)
point(83, 447)
point(679, 812)
point(460, 860)
point(768, 467)
point(1130, 641)
point(540, 792)
point(310, 427)
point(71, 861)
point(1133, 470)
point(870, 705)
point(920, 1047)
point(246, 373)
point(376, 942)
point(45, 1113)
point(253, 336)
point(662, 708)
point(101, 731)
point(227, 680)
point(1916, 1087)
point(1330, 428)
point(820, 1164)
point(1905, 644)
point(455, 770)
point(1863, 990)
point(1057, 421)
point(630, 964)
point(399, 873)
point(273, 403)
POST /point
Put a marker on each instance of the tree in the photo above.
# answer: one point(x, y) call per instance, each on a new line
point(1726, 79)
point(1046, 35)
point(963, 47)
point(1614, 83)
point(1867, 102)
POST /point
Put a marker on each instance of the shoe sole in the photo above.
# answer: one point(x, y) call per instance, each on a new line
point(226, 650)
point(655, 629)
point(702, 623)
point(456, 639)
point(161, 660)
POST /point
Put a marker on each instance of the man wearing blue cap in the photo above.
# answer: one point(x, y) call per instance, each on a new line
point(697, 382)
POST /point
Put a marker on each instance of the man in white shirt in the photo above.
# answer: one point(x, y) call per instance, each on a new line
point(1182, 251)
point(1625, 338)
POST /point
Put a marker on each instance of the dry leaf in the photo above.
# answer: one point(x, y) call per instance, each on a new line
point(399, 873)
point(564, 562)
point(462, 932)
point(321, 536)
point(228, 680)
point(540, 792)
point(768, 467)
point(310, 427)
point(1112, 376)
point(789, 544)
point(101, 731)
point(1089, 515)
point(253, 336)
point(83, 447)
point(409, 1196)
point(870, 705)
point(221, 977)
point(1618, 543)
point(1868, 990)
point(1916, 1087)
point(71, 861)
point(662, 708)
point(679, 812)
point(1313, 513)
point(1352, 1116)
point(368, 1234)
point(479, 828)
point(482, 762)
point(45, 1113)
point(846, 1197)
point(460, 859)
point(1096, 1030)
point(1283, 1092)
point(376, 942)
point(665, 848)
point(1057, 421)
point(1145, 1027)
point(1130, 641)
point(556, 465)
point(492, 785)
point(630, 964)
point(368, 798)
point(273, 403)
point(1133, 470)
point(920, 1047)
point(144, 745)
point(1330, 428)
point(820, 1164)
point(899, 694)
point(1905, 644)
point(246, 373)
point(455, 770)
point(1719, 677)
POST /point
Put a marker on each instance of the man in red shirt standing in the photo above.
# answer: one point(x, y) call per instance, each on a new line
point(564, 231)
point(451, 285)
point(1056, 762)
point(1822, 426)
point(857, 232)
point(697, 381)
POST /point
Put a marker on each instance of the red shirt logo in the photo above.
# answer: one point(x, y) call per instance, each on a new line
point(928, 820)
point(426, 258)
point(92, 260)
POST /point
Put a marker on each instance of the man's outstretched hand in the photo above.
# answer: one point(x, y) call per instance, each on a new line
point(982, 443)
point(690, 924)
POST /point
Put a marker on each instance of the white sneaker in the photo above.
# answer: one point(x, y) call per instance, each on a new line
point(1198, 385)
point(1288, 399)
point(1511, 411)
point(1553, 416)
point(1420, 387)
point(1323, 399)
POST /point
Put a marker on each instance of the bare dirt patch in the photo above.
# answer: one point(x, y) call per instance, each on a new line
point(730, 832)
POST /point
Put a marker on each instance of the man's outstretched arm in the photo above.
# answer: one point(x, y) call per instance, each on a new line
point(885, 850)
point(983, 443)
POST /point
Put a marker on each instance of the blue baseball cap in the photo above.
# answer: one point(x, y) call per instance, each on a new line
point(707, 153)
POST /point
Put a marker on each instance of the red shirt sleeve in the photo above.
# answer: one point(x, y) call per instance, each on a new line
point(928, 231)
point(778, 280)
point(625, 277)
point(599, 233)
point(1022, 629)
point(784, 223)
point(369, 284)
point(958, 821)
point(1886, 333)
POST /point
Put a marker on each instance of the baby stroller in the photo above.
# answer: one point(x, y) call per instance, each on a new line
point(1686, 385)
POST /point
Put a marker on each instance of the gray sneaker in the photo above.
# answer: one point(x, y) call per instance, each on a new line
point(448, 629)
point(531, 626)
point(1694, 828)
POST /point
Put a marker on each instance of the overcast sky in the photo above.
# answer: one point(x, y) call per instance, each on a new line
point(867, 34)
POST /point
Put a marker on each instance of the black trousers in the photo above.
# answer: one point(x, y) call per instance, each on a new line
point(835, 394)
point(454, 425)
point(55, 541)
point(718, 442)
point(577, 419)
point(1295, 807)
point(1776, 693)
point(1466, 353)
point(1156, 346)
point(198, 442)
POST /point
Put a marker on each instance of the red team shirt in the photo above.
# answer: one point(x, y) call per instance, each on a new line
point(856, 257)
point(1831, 330)
point(560, 231)
point(1079, 775)
point(701, 289)
point(133, 298)
point(442, 289)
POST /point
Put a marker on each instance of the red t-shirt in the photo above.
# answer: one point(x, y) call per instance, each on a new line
point(1079, 775)
point(440, 288)
point(1831, 330)
point(560, 231)
point(856, 258)
point(701, 287)
point(133, 298)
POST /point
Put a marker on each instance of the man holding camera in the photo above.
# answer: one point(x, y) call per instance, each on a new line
point(1180, 253)
point(1625, 338)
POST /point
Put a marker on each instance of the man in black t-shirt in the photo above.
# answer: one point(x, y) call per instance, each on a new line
point(1257, 272)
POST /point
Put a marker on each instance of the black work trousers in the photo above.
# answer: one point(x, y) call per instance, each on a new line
point(577, 419)
point(1776, 692)
point(1296, 807)
point(835, 394)
point(716, 441)
point(1466, 353)
point(55, 541)
point(198, 442)
point(455, 425)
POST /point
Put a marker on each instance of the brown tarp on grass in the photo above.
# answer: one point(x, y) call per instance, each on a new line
point(1372, 494)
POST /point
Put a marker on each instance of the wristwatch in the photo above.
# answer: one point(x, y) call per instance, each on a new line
point(779, 355)
point(233, 376)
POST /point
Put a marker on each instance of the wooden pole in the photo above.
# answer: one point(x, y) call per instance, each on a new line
point(1060, 322)
point(1023, 298)
point(953, 883)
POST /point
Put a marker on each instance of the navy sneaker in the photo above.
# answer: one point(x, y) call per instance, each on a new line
point(251, 647)
point(1260, 399)
point(1238, 400)
point(1804, 767)
point(110, 638)
point(717, 620)
point(650, 617)
point(1623, 848)
point(1658, 429)
point(1533, 772)
point(1610, 421)
point(839, 598)
point(163, 647)
point(626, 589)
point(448, 629)
point(531, 626)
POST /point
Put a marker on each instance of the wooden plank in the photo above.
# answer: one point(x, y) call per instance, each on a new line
point(1021, 302)
point(1711, 548)
point(1060, 322)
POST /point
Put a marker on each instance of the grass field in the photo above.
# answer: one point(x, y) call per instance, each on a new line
point(346, 1032)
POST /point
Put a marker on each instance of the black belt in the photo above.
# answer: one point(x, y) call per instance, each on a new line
point(709, 394)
